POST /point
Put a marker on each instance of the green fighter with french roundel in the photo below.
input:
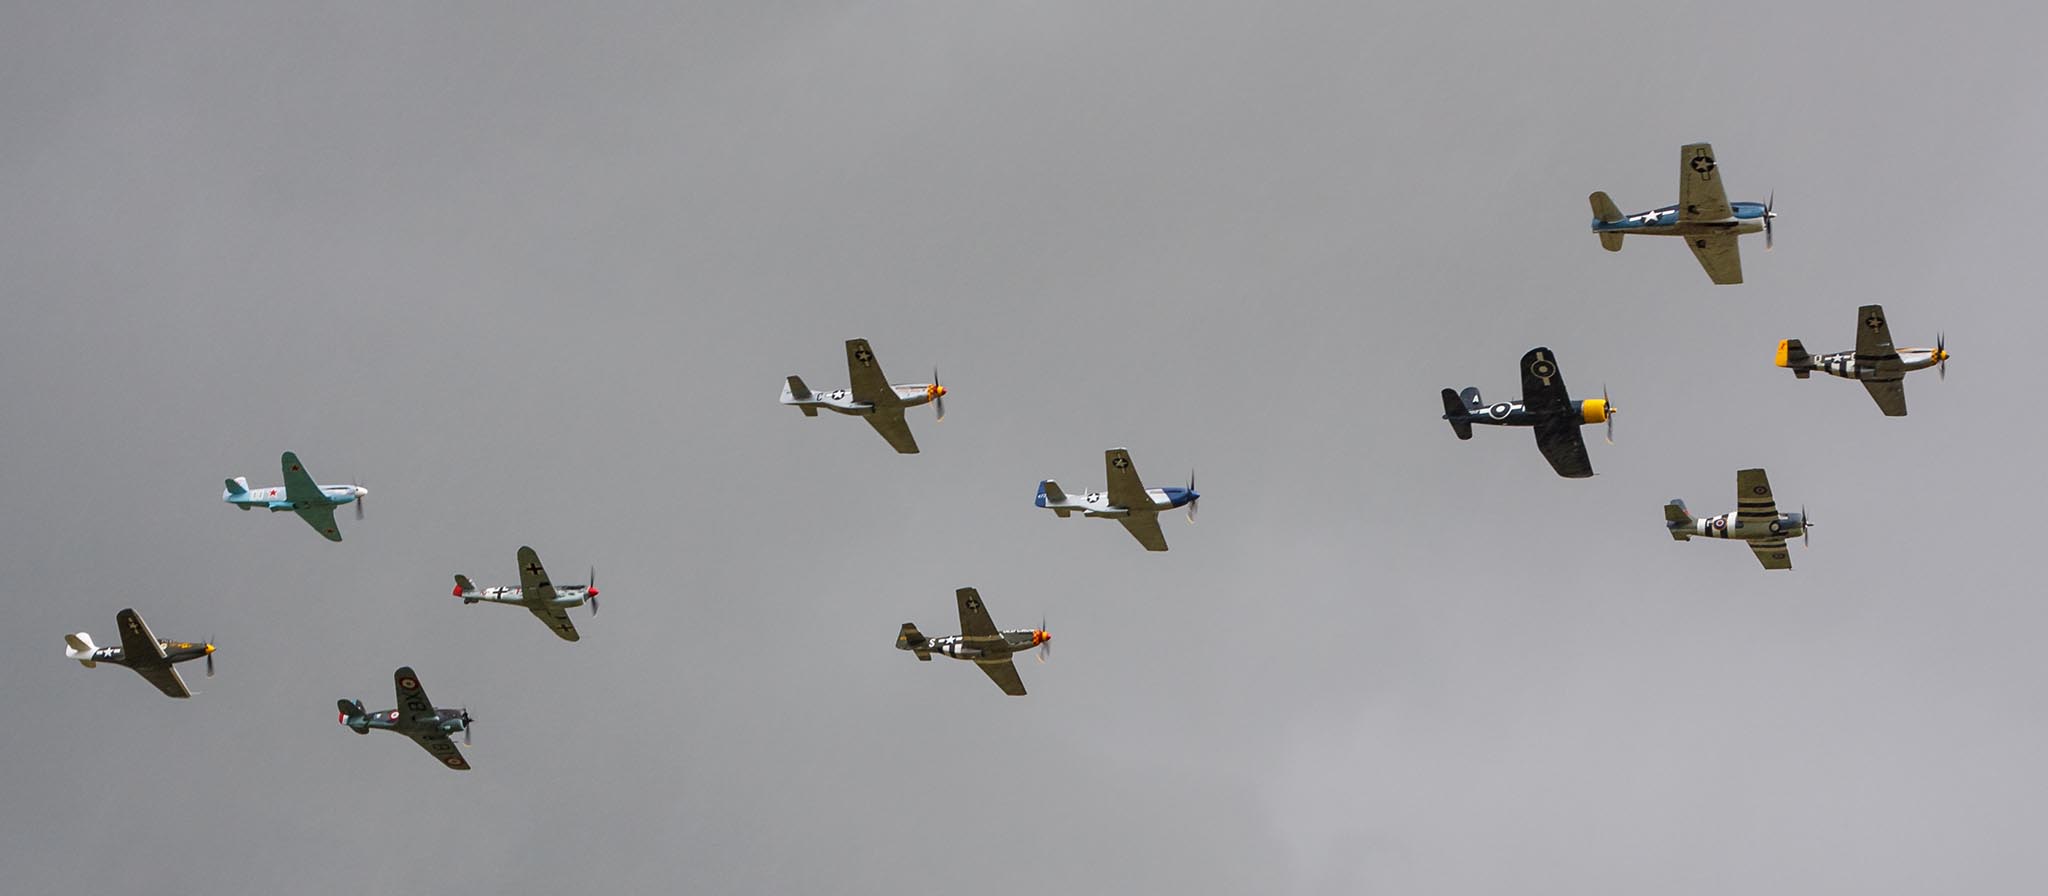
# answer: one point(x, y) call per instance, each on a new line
point(870, 397)
point(1755, 520)
point(416, 717)
point(1875, 363)
point(1703, 216)
point(1545, 407)
point(142, 651)
point(312, 501)
point(980, 642)
point(547, 601)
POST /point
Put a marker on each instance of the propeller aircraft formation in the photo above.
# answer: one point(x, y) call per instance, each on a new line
point(1703, 216)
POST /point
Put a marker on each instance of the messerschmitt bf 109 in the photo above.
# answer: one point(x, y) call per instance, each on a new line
point(1754, 520)
point(871, 397)
point(312, 501)
point(1703, 216)
point(1875, 363)
point(140, 650)
point(980, 642)
point(547, 601)
point(416, 717)
point(1545, 406)
point(1127, 500)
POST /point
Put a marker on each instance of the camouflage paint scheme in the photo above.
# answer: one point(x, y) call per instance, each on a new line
point(979, 641)
point(1875, 363)
point(1755, 521)
point(416, 717)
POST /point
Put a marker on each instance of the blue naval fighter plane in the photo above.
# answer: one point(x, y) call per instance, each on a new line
point(1703, 215)
point(312, 501)
point(1126, 500)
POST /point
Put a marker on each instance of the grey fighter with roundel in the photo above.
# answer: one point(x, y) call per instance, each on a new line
point(1875, 363)
point(1755, 520)
point(1126, 500)
point(870, 397)
point(547, 601)
point(142, 651)
point(980, 642)
point(1703, 216)
point(1545, 407)
point(416, 717)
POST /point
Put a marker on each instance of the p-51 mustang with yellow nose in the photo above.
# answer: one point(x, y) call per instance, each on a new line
point(871, 397)
point(979, 642)
point(1875, 363)
point(140, 650)
point(1544, 406)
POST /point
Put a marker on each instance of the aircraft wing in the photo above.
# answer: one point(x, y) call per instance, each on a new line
point(975, 624)
point(1125, 488)
point(321, 517)
point(433, 741)
point(1700, 195)
point(298, 484)
point(412, 699)
point(890, 423)
point(1873, 337)
point(1754, 505)
point(1771, 553)
point(1890, 396)
point(1557, 427)
point(865, 373)
point(140, 646)
point(166, 680)
point(1145, 528)
point(1542, 383)
point(1719, 256)
point(1564, 446)
point(534, 584)
point(557, 618)
point(1003, 673)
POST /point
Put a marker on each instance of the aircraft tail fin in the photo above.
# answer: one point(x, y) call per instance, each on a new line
point(1678, 520)
point(79, 646)
point(1793, 355)
point(1051, 495)
point(352, 715)
point(1456, 412)
point(465, 589)
point(236, 487)
point(913, 640)
point(1604, 210)
point(795, 391)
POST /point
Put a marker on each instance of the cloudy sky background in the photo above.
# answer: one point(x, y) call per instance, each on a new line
point(534, 277)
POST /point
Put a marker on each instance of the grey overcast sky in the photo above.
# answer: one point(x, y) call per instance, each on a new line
point(534, 275)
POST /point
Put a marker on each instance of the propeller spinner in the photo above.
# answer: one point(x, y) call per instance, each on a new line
point(1043, 639)
point(1194, 497)
point(590, 591)
point(938, 394)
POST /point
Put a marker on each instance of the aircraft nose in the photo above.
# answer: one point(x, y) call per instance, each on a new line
point(361, 491)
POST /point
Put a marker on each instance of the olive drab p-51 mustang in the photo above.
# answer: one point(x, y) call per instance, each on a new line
point(871, 397)
point(1127, 500)
point(980, 642)
point(416, 717)
point(1703, 216)
point(1875, 363)
point(1755, 520)
point(547, 601)
point(1545, 406)
point(140, 650)
point(312, 501)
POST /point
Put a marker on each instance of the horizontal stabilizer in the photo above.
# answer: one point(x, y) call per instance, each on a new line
point(237, 487)
point(1454, 411)
point(1793, 356)
point(909, 638)
point(1050, 493)
point(1610, 241)
point(795, 391)
point(1678, 520)
point(463, 585)
point(79, 646)
point(1604, 209)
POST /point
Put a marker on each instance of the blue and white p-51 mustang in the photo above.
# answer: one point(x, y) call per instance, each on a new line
point(1703, 215)
point(312, 501)
point(1127, 500)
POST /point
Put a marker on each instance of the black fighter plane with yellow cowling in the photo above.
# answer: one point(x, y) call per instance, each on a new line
point(416, 717)
point(1545, 406)
point(140, 650)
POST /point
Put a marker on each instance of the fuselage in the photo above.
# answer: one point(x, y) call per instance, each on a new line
point(1097, 503)
point(1513, 413)
point(1748, 217)
point(1843, 364)
point(445, 721)
point(841, 401)
point(1789, 525)
point(174, 652)
point(958, 648)
point(275, 500)
point(565, 596)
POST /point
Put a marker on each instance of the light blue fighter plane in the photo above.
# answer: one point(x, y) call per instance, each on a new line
point(312, 501)
point(1703, 215)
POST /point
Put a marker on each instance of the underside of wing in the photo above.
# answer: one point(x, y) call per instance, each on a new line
point(975, 623)
point(321, 518)
point(442, 748)
point(166, 680)
point(1564, 446)
point(1754, 503)
point(867, 383)
point(1004, 674)
point(1700, 194)
point(556, 618)
point(890, 423)
point(1145, 528)
point(1890, 396)
point(1125, 488)
point(1771, 553)
point(299, 484)
point(1719, 256)
point(1873, 337)
point(534, 584)
point(138, 643)
point(1543, 389)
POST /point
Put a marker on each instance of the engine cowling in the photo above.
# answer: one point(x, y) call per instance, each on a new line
point(1594, 410)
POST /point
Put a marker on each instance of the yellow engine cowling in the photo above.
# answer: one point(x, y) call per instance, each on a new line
point(1594, 410)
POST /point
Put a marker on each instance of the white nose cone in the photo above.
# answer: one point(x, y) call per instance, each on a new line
point(361, 491)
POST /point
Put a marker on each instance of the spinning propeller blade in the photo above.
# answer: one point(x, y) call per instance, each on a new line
point(1941, 355)
point(1609, 406)
point(360, 494)
point(466, 722)
point(209, 656)
point(938, 395)
point(590, 590)
point(1768, 215)
point(1044, 641)
point(1194, 499)
point(1805, 527)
